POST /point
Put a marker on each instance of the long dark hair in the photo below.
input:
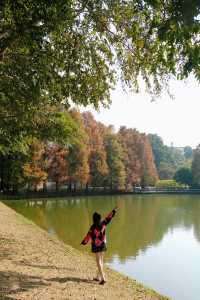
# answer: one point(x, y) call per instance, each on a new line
point(96, 219)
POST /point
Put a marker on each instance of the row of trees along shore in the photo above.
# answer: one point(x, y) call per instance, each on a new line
point(97, 157)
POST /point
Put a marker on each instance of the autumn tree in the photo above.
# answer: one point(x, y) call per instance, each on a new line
point(57, 165)
point(116, 170)
point(78, 155)
point(129, 139)
point(149, 174)
point(69, 163)
point(97, 154)
point(138, 158)
point(33, 170)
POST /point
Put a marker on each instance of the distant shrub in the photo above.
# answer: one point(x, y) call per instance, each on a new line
point(168, 183)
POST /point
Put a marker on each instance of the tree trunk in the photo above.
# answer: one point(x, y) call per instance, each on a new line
point(35, 188)
point(70, 187)
point(44, 186)
point(87, 187)
point(57, 186)
point(111, 185)
point(14, 189)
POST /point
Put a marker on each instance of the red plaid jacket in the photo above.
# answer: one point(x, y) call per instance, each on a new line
point(97, 234)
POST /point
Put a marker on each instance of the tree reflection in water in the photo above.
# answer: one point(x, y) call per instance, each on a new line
point(142, 220)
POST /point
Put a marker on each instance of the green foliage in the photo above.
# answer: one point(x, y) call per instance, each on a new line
point(55, 53)
point(183, 175)
point(196, 167)
point(69, 48)
point(45, 123)
point(188, 152)
point(167, 159)
point(78, 154)
point(169, 183)
point(116, 176)
point(59, 127)
point(11, 171)
point(25, 167)
point(158, 148)
point(166, 170)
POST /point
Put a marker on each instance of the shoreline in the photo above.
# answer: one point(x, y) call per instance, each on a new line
point(43, 195)
point(38, 266)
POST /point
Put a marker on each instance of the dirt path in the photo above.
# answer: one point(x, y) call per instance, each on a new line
point(34, 265)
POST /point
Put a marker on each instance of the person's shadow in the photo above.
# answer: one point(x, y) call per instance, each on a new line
point(12, 283)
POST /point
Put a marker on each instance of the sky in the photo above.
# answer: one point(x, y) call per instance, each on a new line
point(175, 120)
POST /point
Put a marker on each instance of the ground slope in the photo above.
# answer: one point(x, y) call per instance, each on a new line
point(37, 266)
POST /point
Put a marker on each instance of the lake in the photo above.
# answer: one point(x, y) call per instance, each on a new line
point(153, 238)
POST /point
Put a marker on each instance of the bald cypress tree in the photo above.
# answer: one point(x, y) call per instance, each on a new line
point(116, 171)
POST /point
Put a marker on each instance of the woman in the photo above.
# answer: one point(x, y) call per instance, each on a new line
point(97, 235)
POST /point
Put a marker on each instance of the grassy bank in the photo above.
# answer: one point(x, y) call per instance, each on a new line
point(35, 265)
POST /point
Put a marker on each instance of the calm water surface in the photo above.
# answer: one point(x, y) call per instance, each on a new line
point(154, 239)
